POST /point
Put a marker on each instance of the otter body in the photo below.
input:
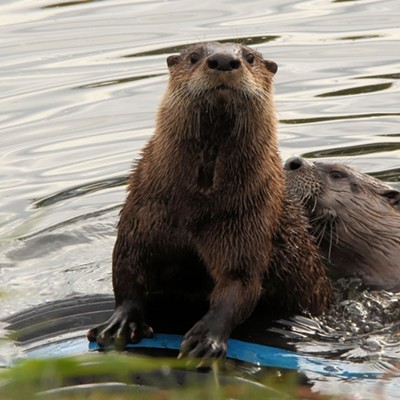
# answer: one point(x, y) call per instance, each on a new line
point(207, 214)
point(355, 218)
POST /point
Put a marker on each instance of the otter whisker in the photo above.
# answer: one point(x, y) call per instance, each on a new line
point(319, 232)
point(315, 204)
point(331, 224)
point(318, 218)
point(335, 224)
point(305, 199)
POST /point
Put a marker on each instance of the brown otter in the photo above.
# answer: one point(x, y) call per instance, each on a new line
point(207, 213)
point(355, 218)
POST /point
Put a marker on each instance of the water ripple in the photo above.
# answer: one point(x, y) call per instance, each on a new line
point(393, 76)
point(336, 118)
point(363, 149)
point(70, 3)
point(80, 190)
point(117, 81)
point(357, 90)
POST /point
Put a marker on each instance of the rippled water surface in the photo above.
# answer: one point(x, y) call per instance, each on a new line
point(80, 84)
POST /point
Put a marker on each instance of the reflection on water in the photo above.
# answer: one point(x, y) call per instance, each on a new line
point(384, 76)
point(81, 81)
point(80, 191)
point(70, 3)
point(388, 175)
point(363, 149)
point(117, 81)
point(357, 90)
point(335, 118)
point(361, 37)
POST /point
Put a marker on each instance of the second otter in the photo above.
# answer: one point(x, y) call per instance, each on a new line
point(355, 218)
point(207, 212)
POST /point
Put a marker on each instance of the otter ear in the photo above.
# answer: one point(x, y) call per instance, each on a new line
point(271, 66)
point(393, 196)
point(173, 60)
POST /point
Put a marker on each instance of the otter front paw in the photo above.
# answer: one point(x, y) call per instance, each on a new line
point(200, 342)
point(123, 327)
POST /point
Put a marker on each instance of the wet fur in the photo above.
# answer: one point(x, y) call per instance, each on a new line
point(355, 219)
point(207, 214)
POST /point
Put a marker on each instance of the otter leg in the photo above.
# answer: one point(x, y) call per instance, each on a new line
point(127, 324)
point(232, 302)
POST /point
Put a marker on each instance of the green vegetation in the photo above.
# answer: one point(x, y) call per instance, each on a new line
point(115, 377)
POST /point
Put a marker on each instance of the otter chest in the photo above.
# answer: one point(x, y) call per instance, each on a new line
point(206, 165)
point(213, 154)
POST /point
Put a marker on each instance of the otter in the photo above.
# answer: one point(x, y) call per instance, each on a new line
point(355, 218)
point(207, 214)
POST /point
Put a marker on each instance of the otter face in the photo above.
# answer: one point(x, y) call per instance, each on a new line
point(211, 70)
point(335, 189)
point(354, 217)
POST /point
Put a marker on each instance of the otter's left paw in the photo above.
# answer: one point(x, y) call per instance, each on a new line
point(200, 342)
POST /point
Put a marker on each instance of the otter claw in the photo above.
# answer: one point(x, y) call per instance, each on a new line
point(139, 332)
point(124, 326)
point(120, 335)
point(206, 348)
point(199, 343)
point(92, 335)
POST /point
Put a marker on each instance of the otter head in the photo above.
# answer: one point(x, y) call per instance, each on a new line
point(219, 88)
point(211, 73)
point(333, 190)
point(355, 218)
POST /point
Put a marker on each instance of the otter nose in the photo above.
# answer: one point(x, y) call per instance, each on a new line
point(294, 163)
point(223, 62)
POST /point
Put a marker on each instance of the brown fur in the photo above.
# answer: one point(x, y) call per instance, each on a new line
point(207, 212)
point(355, 217)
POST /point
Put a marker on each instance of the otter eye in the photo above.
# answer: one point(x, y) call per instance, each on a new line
point(250, 58)
point(335, 174)
point(194, 57)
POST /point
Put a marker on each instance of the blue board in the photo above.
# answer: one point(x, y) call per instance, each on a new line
point(45, 331)
point(256, 354)
point(267, 356)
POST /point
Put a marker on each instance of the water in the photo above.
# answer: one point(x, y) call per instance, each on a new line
point(80, 84)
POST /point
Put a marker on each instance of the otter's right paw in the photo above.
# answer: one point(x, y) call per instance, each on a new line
point(122, 328)
point(203, 342)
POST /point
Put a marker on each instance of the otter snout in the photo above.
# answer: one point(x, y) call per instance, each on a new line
point(223, 61)
point(294, 163)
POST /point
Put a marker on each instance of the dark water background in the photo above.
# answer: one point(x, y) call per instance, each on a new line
point(80, 83)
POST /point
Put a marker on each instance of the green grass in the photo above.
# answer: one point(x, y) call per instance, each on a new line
point(89, 377)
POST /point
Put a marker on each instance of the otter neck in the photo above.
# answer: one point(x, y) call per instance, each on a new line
point(231, 144)
point(217, 124)
point(247, 123)
point(214, 130)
